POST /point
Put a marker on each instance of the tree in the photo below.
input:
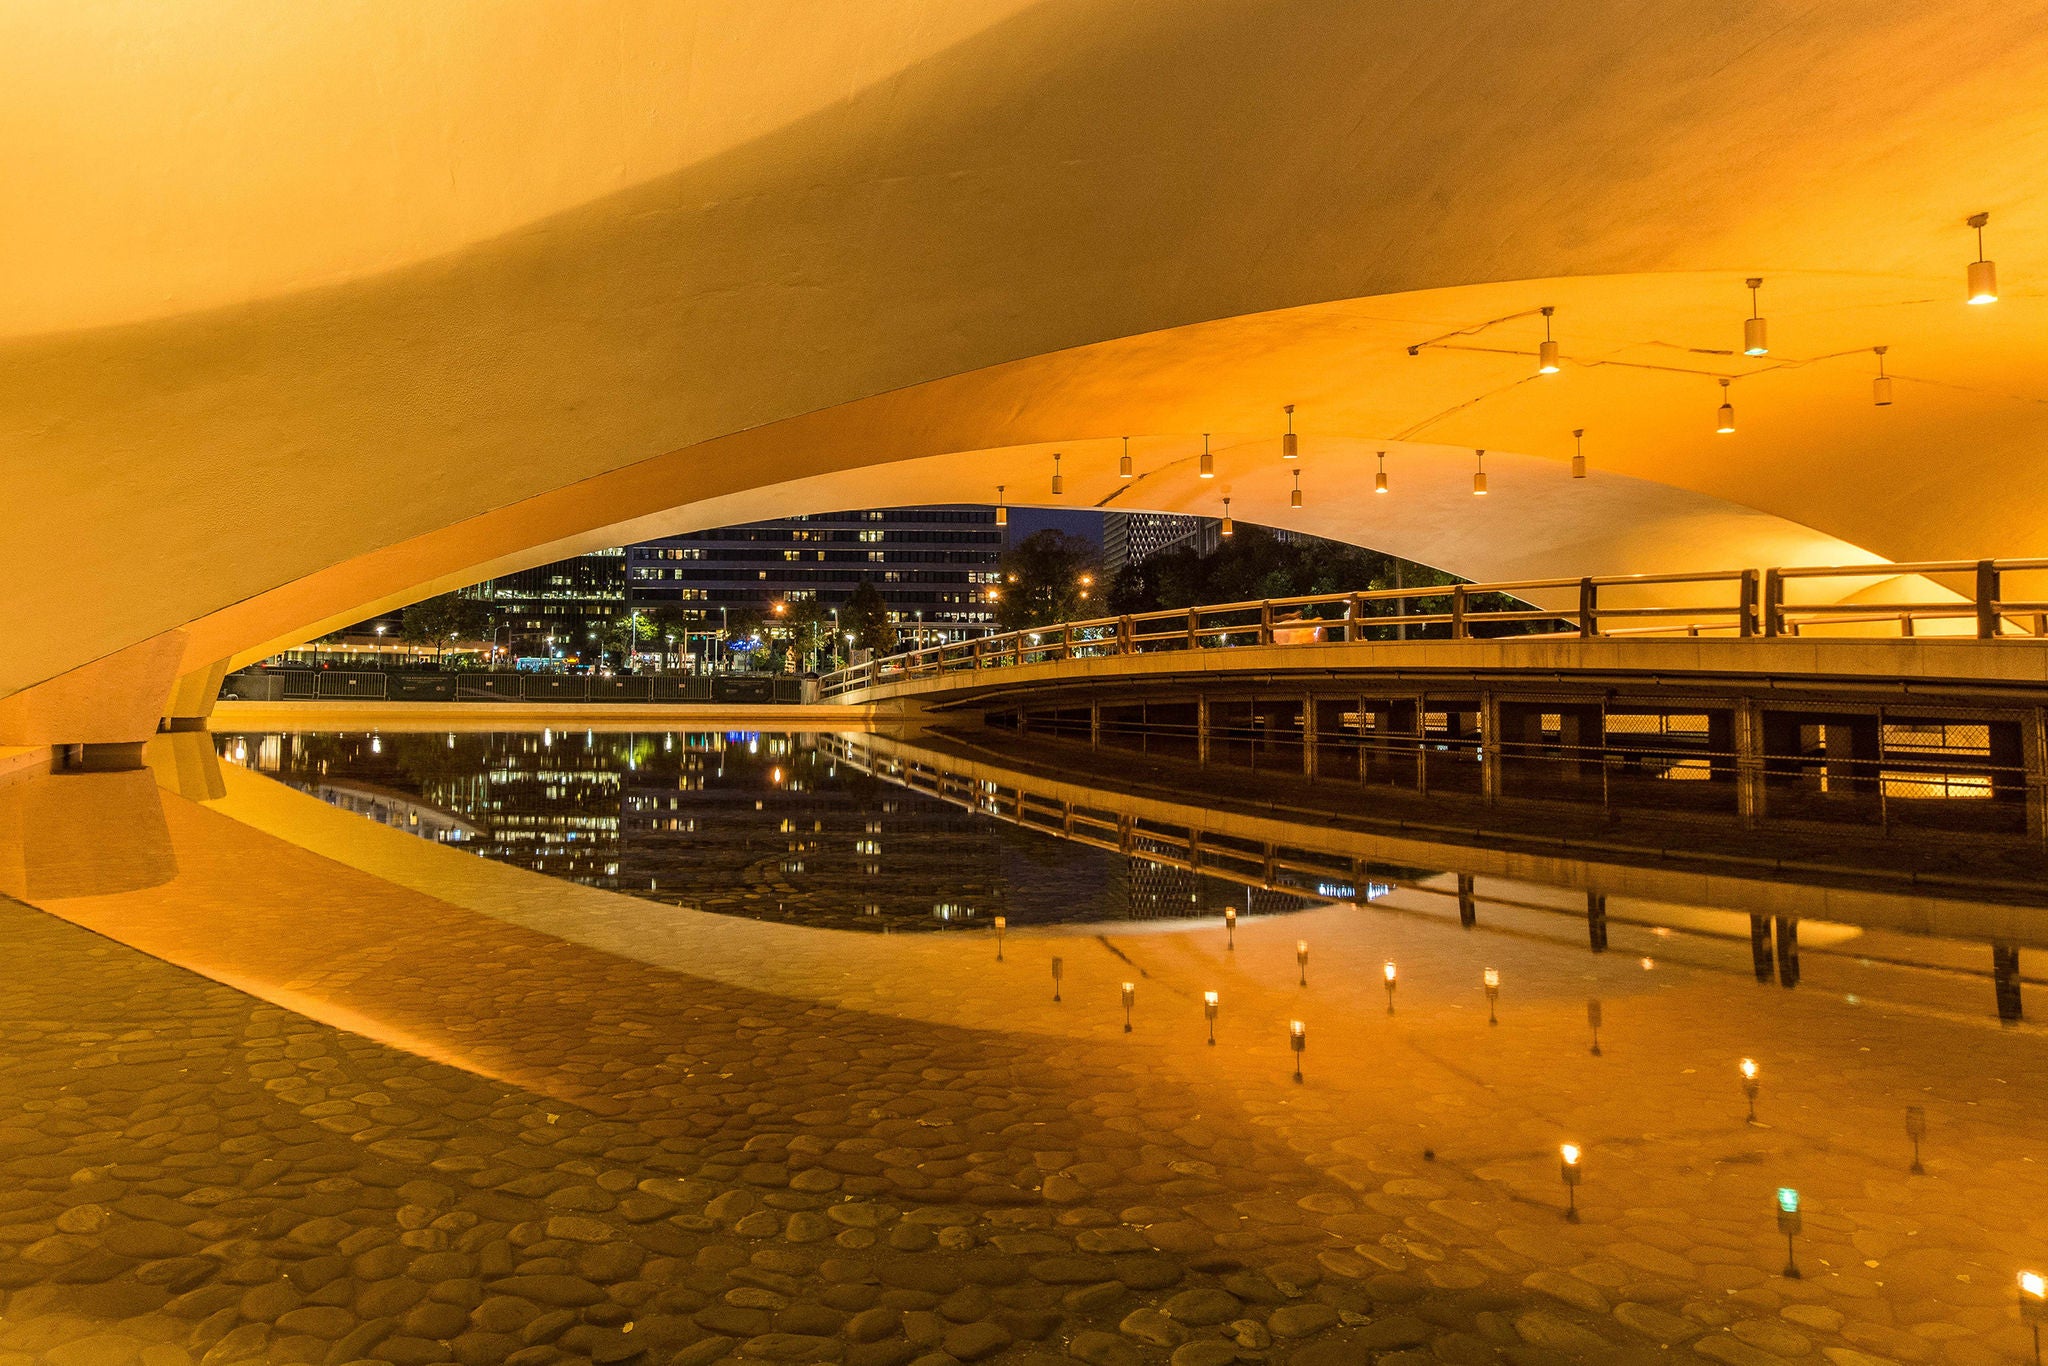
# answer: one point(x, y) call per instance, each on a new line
point(440, 621)
point(1048, 577)
point(809, 624)
point(626, 633)
point(671, 628)
point(866, 615)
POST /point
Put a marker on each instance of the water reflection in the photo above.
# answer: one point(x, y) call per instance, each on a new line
point(873, 831)
point(740, 822)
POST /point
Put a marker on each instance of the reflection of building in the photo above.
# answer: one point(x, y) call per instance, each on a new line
point(936, 561)
point(398, 811)
point(570, 601)
point(1131, 538)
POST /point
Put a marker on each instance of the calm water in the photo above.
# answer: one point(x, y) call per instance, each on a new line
point(869, 832)
point(758, 824)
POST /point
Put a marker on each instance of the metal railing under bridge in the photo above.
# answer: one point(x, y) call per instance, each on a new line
point(1746, 604)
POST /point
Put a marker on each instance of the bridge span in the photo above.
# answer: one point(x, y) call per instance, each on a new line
point(1764, 705)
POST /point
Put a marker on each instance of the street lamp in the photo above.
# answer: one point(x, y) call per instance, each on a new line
point(1057, 965)
point(1568, 1168)
point(1749, 1086)
point(1788, 1224)
point(2034, 1306)
point(1301, 958)
point(1297, 1039)
point(1492, 979)
point(1916, 1129)
point(1230, 927)
point(1130, 995)
point(1002, 923)
point(1209, 1014)
point(1389, 972)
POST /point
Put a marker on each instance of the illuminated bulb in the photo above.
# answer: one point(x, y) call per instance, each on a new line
point(1579, 453)
point(1570, 1153)
point(1724, 420)
point(1881, 387)
point(1546, 354)
point(1748, 1069)
point(1379, 482)
point(1753, 342)
point(1479, 476)
point(1983, 273)
point(1389, 970)
point(1294, 500)
point(1229, 527)
point(1123, 466)
point(2032, 1286)
point(1059, 483)
point(1492, 977)
point(1208, 460)
point(1002, 512)
point(1296, 1028)
point(1290, 445)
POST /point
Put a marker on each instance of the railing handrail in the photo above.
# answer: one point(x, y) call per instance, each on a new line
point(1759, 610)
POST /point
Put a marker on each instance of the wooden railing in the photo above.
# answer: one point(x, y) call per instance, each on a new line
point(1739, 603)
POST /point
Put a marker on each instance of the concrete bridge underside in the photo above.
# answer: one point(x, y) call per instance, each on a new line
point(325, 310)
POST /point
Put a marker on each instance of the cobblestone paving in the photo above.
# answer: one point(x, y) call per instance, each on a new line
point(638, 1163)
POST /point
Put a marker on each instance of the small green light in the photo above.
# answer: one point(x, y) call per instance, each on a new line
point(1788, 1200)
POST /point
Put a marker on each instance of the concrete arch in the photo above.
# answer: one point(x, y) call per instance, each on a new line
point(874, 238)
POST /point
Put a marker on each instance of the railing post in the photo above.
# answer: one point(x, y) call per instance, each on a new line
point(1460, 629)
point(1266, 623)
point(1987, 600)
point(1745, 605)
point(1357, 623)
point(1774, 604)
point(1126, 636)
point(1589, 609)
point(1194, 628)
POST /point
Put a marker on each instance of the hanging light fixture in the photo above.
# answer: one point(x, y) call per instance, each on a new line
point(1724, 421)
point(1208, 460)
point(1290, 445)
point(1479, 476)
point(1002, 510)
point(1881, 387)
point(1059, 482)
point(1753, 341)
point(1123, 466)
point(1295, 500)
point(1229, 527)
point(1546, 355)
point(1579, 453)
point(1379, 481)
point(1983, 273)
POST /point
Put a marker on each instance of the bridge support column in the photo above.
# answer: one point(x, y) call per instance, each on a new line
point(1788, 951)
point(1760, 949)
point(1745, 738)
point(2005, 981)
point(1468, 901)
point(1095, 725)
point(1490, 744)
point(193, 696)
point(1596, 921)
point(1308, 737)
point(1202, 729)
point(2034, 758)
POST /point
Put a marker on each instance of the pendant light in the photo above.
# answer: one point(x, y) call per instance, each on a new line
point(1229, 527)
point(1123, 466)
point(1546, 355)
point(1578, 452)
point(1295, 500)
point(1753, 341)
point(1724, 421)
point(1002, 511)
point(1379, 481)
point(1983, 273)
point(1059, 482)
point(1479, 476)
point(1208, 460)
point(1290, 445)
point(1881, 387)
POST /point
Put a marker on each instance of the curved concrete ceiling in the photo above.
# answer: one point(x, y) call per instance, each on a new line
point(324, 307)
